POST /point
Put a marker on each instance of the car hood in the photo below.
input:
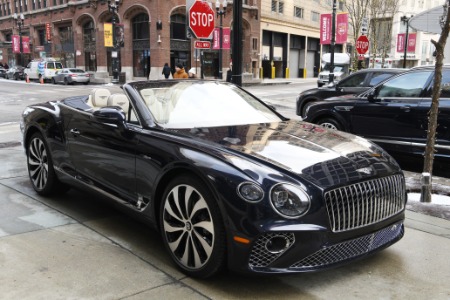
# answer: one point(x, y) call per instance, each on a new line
point(324, 157)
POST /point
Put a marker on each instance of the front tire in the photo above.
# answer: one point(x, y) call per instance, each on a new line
point(330, 124)
point(40, 168)
point(192, 227)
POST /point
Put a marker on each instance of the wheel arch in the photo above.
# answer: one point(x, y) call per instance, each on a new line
point(334, 116)
point(179, 170)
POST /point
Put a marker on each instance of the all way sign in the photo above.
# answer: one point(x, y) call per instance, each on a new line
point(202, 45)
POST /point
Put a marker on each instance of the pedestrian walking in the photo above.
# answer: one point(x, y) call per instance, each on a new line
point(180, 73)
point(166, 71)
point(192, 73)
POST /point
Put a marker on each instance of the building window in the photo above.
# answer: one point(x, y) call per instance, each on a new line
point(178, 27)
point(254, 44)
point(274, 6)
point(277, 6)
point(90, 57)
point(280, 7)
point(315, 16)
point(298, 12)
point(141, 45)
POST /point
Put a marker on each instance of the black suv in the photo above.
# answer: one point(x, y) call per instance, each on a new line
point(394, 114)
point(355, 83)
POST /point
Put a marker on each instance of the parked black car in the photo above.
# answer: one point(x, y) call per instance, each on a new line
point(223, 177)
point(16, 73)
point(393, 114)
point(355, 83)
point(2, 73)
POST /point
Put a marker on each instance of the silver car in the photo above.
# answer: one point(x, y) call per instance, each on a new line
point(71, 76)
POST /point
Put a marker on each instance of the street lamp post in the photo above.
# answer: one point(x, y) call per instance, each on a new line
point(405, 19)
point(333, 43)
point(19, 22)
point(221, 10)
point(113, 8)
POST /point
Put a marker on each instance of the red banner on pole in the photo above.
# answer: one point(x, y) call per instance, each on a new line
point(15, 39)
point(411, 46)
point(48, 33)
point(26, 44)
point(412, 42)
point(325, 29)
point(226, 38)
point(341, 28)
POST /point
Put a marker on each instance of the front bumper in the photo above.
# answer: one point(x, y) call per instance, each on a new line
point(306, 251)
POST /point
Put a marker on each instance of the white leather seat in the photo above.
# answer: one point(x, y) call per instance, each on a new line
point(153, 104)
point(119, 100)
point(98, 98)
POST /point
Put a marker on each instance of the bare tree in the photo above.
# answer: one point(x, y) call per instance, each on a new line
point(357, 10)
point(433, 113)
point(382, 13)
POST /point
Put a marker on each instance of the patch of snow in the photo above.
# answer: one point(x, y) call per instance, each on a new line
point(435, 198)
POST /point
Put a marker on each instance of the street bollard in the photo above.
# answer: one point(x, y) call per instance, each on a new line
point(425, 195)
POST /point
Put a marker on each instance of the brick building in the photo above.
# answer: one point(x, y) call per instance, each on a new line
point(155, 33)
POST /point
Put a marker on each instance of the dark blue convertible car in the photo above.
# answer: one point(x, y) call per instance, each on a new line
point(226, 180)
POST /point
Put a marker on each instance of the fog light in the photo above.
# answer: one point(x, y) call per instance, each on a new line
point(277, 244)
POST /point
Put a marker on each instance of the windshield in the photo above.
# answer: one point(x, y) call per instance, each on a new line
point(205, 104)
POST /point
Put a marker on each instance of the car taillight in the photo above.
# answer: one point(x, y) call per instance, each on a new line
point(73, 75)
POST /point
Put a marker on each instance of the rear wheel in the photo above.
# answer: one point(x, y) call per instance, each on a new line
point(40, 168)
point(66, 82)
point(16, 76)
point(192, 227)
point(330, 123)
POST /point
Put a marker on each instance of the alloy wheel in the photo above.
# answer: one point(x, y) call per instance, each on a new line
point(188, 227)
point(38, 163)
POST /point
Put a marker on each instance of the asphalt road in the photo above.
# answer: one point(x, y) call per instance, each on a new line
point(78, 246)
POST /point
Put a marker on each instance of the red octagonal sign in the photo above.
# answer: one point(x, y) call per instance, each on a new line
point(362, 44)
point(201, 19)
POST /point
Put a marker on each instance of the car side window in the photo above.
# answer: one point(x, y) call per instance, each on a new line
point(379, 77)
point(355, 80)
point(406, 85)
point(445, 84)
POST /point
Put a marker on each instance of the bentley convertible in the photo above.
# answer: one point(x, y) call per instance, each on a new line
point(226, 180)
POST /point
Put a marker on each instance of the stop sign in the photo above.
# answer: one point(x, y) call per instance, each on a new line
point(362, 44)
point(201, 19)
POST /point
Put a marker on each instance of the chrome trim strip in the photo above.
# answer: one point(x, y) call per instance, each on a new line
point(409, 143)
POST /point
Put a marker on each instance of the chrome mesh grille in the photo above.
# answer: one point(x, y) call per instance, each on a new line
point(260, 256)
point(365, 203)
point(349, 249)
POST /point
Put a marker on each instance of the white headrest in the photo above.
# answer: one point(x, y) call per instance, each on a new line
point(119, 100)
point(100, 97)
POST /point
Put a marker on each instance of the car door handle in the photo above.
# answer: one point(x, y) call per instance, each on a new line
point(406, 108)
point(74, 131)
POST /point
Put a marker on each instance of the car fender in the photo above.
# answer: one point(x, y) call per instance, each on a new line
point(316, 113)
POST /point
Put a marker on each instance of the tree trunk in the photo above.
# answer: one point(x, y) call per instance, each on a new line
point(433, 114)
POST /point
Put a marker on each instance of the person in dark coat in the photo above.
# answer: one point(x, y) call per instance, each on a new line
point(166, 71)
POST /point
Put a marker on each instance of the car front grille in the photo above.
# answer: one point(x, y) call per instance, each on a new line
point(365, 203)
point(261, 256)
point(349, 249)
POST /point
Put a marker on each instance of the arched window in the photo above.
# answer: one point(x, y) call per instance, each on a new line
point(141, 45)
point(178, 27)
point(90, 56)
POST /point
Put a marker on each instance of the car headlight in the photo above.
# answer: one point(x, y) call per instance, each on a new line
point(289, 201)
point(250, 192)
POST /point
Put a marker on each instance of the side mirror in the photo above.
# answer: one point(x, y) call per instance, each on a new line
point(111, 115)
point(371, 96)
